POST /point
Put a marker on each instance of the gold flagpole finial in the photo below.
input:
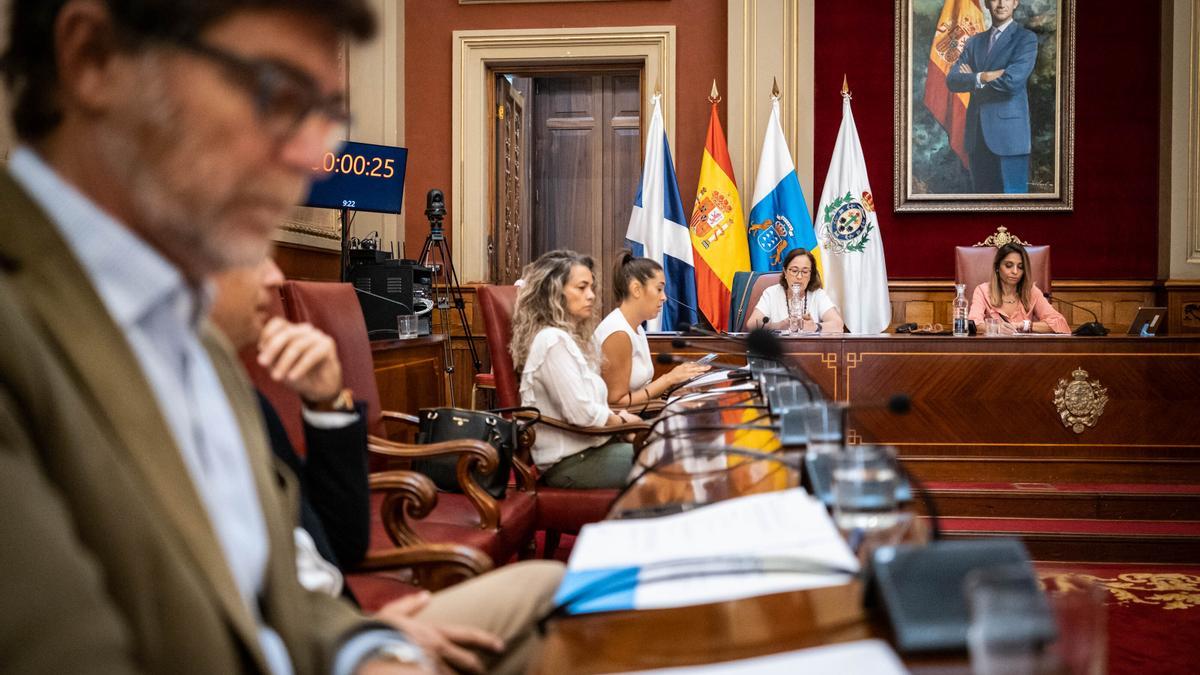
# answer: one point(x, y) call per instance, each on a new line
point(845, 87)
point(714, 96)
point(657, 88)
point(774, 88)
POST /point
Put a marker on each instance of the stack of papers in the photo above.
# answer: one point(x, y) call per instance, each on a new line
point(754, 545)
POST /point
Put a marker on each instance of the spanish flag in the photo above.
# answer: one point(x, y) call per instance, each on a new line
point(960, 19)
point(718, 228)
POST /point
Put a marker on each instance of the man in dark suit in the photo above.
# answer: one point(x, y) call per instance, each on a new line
point(994, 68)
point(144, 526)
point(488, 622)
point(334, 500)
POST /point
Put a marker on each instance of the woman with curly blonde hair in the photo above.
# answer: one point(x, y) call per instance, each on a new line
point(552, 350)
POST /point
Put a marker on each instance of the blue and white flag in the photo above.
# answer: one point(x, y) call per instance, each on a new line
point(658, 229)
point(779, 219)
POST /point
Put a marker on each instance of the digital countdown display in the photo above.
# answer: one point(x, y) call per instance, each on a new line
point(360, 177)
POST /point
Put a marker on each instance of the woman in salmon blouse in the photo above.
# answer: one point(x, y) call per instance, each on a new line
point(1013, 298)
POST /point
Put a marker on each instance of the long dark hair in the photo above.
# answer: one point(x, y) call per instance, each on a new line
point(1024, 286)
point(629, 269)
point(814, 279)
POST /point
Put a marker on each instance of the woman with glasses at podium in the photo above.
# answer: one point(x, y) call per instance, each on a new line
point(625, 362)
point(1013, 298)
point(553, 352)
point(818, 313)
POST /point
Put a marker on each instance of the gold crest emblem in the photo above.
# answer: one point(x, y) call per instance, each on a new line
point(1080, 402)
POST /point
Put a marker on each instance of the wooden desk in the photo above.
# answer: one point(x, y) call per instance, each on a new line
point(988, 405)
point(723, 631)
point(982, 408)
point(410, 373)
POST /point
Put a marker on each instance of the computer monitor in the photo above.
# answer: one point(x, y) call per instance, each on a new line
point(1148, 321)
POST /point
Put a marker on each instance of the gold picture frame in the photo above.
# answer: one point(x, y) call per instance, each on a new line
point(933, 156)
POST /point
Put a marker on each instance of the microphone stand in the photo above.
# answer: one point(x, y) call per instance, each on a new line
point(1092, 328)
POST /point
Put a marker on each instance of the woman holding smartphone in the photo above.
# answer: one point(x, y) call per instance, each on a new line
point(625, 362)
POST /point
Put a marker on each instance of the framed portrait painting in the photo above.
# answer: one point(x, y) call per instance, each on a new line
point(985, 105)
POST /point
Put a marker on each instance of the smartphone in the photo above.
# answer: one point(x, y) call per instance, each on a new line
point(706, 359)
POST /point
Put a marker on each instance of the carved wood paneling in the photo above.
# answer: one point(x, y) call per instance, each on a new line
point(1115, 302)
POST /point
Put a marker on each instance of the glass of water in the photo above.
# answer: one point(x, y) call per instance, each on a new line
point(864, 487)
point(406, 326)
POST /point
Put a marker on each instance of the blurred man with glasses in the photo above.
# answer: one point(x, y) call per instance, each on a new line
point(145, 528)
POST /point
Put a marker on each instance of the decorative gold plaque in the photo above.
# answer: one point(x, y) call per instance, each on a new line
point(1080, 402)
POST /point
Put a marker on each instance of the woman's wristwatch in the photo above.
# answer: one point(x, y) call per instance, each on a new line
point(1026, 326)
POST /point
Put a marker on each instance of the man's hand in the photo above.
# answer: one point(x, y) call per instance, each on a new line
point(964, 68)
point(301, 357)
point(989, 75)
point(448, 645)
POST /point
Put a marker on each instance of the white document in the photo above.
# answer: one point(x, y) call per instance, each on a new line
point(850, 658)
point(754, 545)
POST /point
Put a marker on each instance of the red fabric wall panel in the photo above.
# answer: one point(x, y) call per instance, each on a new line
point(1113, 231)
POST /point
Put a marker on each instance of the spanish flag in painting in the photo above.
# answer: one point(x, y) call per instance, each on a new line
point(718, 228)
point(960, 19)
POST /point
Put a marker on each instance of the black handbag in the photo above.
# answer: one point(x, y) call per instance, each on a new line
point(455, 424)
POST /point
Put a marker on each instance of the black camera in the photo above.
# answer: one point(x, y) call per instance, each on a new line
point(435, 204)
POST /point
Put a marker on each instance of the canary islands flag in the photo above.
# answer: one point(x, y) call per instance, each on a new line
point(718, 228)
point(779, 219)
point(657, 228)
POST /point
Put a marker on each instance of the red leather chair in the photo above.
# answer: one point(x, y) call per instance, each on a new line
point(559, 510)
point(973, 266)
point(389, 570)
point(500, 528)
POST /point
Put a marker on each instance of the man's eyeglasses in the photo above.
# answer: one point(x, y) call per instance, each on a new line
point(284, 97)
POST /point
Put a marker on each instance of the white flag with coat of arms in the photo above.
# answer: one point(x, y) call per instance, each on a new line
point(847, 230)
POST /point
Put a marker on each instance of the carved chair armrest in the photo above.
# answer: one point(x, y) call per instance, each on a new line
point(433, 566)
point(639, 430)
point(526, 474)
point(471, 453)
point(408, 495)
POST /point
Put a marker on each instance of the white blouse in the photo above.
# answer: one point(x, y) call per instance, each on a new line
point(641, 368)
point(773, 304)
point(559, 382)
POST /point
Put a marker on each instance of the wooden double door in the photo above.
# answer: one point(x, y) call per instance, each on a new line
point(567, 164)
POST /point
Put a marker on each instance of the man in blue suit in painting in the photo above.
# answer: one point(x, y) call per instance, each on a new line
point(994, 68)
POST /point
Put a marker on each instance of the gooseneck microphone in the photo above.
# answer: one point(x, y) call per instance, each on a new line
point(1092, 328)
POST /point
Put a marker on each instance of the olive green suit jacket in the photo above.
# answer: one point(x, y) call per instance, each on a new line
point(108, 562)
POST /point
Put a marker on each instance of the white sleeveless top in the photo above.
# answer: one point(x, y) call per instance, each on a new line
point(641, 368)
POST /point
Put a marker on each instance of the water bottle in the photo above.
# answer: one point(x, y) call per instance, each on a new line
point(960, 310)
point(796, 309)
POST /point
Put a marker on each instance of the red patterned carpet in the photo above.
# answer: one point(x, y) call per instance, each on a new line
point(1153, 613)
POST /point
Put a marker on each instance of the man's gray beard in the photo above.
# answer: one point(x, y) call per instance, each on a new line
point(146, 153)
